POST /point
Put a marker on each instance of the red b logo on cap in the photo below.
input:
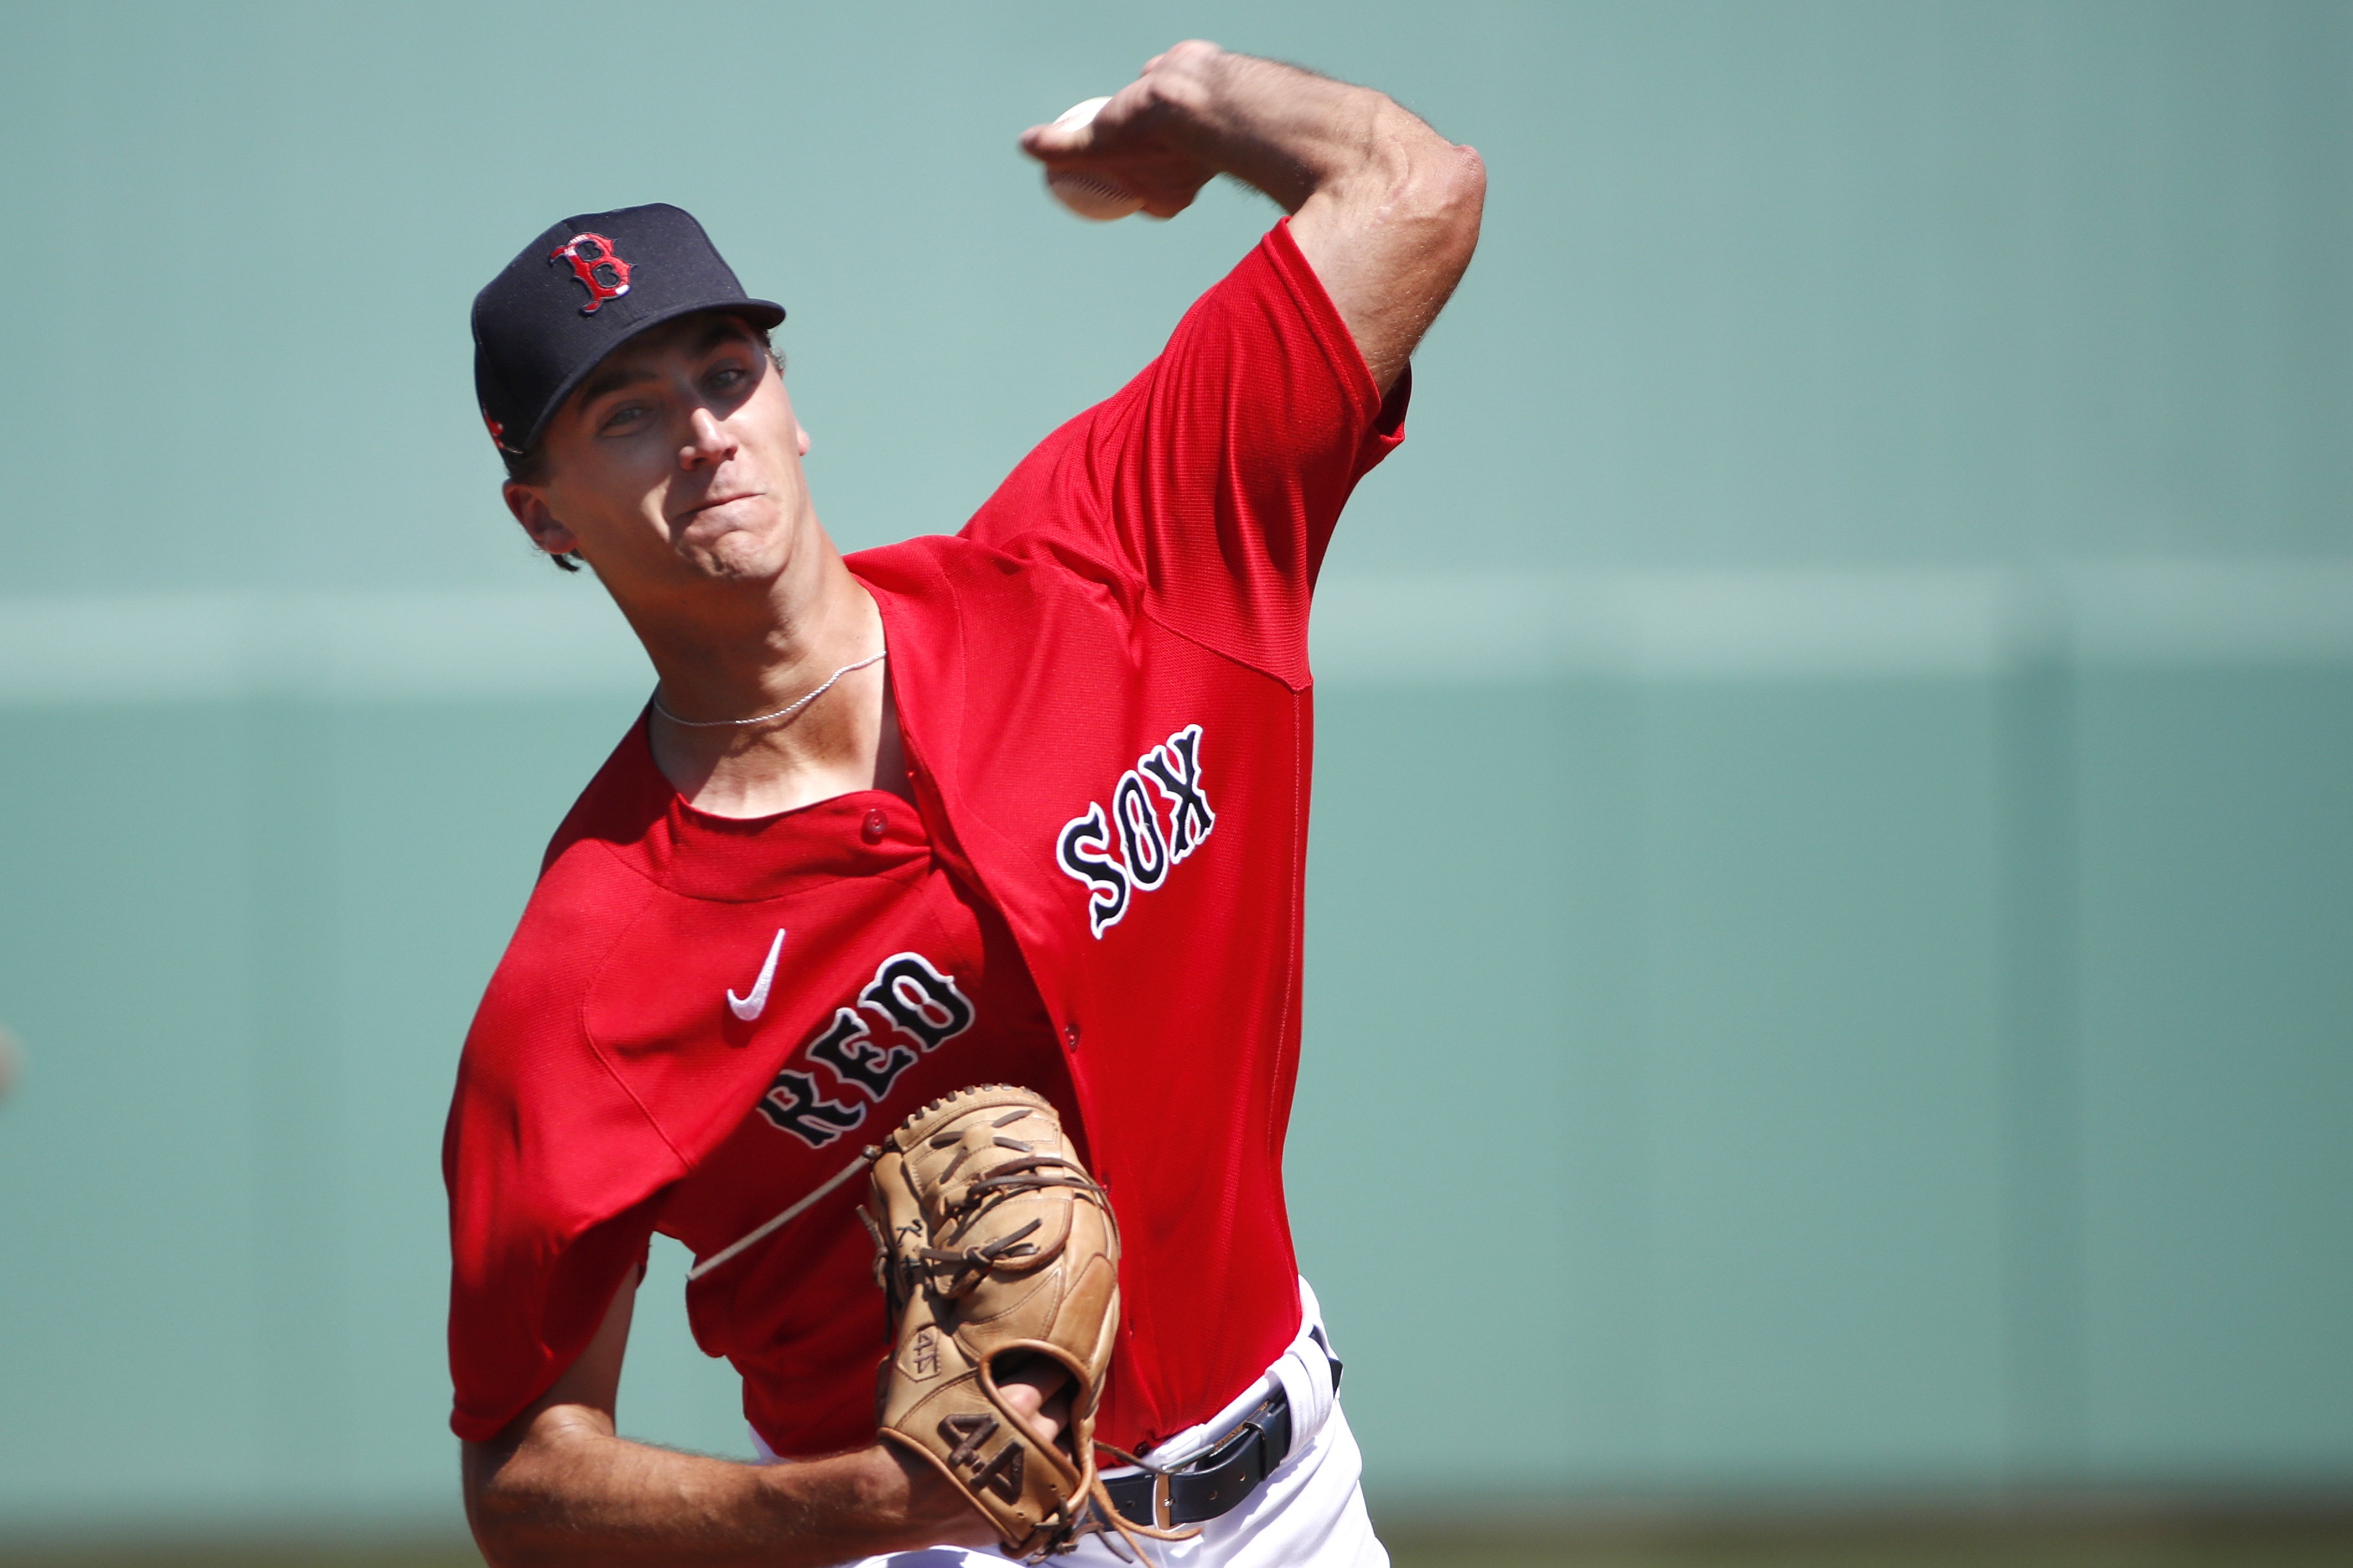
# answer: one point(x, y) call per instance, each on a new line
point(594, 264)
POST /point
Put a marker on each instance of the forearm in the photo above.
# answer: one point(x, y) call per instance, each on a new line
point(1385, 209)
point(1289, 132)
point(570, 1492)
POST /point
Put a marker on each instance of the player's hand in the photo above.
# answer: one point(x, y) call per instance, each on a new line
point(1155, 135)
point(1040, 1391)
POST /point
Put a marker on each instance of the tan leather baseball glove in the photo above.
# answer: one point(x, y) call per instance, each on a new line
point(996, 1246)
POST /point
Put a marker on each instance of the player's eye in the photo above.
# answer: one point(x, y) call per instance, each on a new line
point(622, 417)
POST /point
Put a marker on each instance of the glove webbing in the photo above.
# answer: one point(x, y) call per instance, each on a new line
point(1030, 1173)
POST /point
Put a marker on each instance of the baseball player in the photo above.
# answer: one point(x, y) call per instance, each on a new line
point(1026, 804)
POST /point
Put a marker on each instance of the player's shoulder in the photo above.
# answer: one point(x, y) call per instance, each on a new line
point(1016, 566)
point(593, 880)
point(621, 807)
point(942, 576)
point(581, 907)
point(923, 565)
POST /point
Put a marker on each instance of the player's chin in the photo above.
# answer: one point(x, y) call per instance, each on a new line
point(735, 554)
point(744, 535)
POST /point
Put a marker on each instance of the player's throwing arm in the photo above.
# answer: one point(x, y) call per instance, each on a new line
point(1385, 209)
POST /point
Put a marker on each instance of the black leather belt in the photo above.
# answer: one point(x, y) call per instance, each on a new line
point(1216, 1483)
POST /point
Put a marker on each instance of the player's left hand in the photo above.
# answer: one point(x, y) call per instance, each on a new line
point(1155, 136)
point(1040, 1391)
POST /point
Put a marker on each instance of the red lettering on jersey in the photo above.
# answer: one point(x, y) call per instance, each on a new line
point(595, 263)
point(908, 1010)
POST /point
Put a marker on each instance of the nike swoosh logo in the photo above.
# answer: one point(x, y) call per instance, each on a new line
point(750, 1007)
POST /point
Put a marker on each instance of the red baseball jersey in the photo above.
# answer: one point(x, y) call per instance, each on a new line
point(1104, 690)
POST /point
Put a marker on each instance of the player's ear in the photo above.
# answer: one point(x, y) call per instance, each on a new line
point(529, 509)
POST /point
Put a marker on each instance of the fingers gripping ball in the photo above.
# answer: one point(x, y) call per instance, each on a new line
point(1083, 191)
point(995, 1245)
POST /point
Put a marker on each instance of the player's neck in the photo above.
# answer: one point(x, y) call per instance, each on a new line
point(806, 658)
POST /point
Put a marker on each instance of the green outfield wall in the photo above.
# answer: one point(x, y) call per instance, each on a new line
point(1831, 902)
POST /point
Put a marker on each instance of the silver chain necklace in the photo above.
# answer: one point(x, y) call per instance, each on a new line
point(784, 713)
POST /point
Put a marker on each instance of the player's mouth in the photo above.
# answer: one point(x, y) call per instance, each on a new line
point(713, 504)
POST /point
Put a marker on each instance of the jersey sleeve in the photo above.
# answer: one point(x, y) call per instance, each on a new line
point(556, 1175)
point(1208, 485)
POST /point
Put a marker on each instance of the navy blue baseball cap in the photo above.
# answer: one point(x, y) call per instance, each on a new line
point(576, 294)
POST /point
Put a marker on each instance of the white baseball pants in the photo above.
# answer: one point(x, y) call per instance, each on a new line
point(1310, 1513)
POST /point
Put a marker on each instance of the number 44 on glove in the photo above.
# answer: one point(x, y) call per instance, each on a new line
point(996, 1246)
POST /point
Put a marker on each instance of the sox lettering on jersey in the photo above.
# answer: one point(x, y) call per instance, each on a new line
point(909, 1008)
point(1128, 850)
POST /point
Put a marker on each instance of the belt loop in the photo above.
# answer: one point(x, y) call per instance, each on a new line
point(1161, 1515)
point(1307, 1384)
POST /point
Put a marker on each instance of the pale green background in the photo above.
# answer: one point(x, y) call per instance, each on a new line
point(1833, 881)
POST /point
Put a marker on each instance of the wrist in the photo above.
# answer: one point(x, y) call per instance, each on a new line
point(876, 1500)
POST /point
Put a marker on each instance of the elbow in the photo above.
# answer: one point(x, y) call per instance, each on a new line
point(508, 1534)
point(502, 1509)
point(1434, 188)
point(495, 1536)
point(1448, 190)
point(1467, 182)
point(1439, 202)
point(495, 1550)
point(1459, 198)
point(493, 1519)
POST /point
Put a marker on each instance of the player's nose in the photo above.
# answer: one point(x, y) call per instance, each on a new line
point(710, 443)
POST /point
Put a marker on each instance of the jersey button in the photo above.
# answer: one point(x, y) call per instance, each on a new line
point(872, 829)
point(1071, 1036)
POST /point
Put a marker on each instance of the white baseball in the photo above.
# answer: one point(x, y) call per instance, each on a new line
point(1084, 192)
